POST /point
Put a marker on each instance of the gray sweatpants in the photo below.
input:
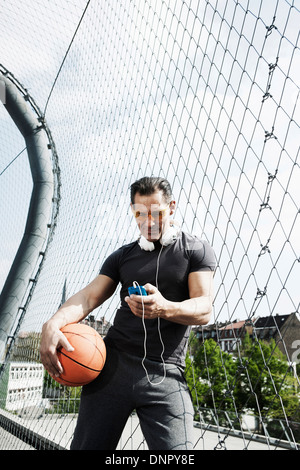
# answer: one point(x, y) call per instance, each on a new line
point(165, 411)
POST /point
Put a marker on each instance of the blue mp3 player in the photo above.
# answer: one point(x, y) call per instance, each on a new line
point(140, 290)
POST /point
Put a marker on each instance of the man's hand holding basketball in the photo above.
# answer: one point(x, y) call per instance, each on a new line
point(52, 339)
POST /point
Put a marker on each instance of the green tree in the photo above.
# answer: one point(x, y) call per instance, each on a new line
point(63, 399)
point(265, 382)
point(256, 379)
point(209, 373)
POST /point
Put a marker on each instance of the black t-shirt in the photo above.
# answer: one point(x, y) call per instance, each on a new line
point(130, 263)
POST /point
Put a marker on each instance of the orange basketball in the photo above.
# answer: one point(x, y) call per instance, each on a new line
point(85, 363)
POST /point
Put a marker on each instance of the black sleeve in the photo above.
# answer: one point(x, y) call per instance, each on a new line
point(202, 256)
point(110, 266)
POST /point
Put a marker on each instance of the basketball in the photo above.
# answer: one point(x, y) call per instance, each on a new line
point(85, 363)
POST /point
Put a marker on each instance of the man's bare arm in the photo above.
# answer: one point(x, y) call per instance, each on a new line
point(75, 309)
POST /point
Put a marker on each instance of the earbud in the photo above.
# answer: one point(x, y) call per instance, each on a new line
point(145, 244)
point(168, 237)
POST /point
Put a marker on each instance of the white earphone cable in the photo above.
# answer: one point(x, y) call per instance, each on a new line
point(158, 329)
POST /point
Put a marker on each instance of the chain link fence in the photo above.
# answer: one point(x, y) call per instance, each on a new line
point(206, 94)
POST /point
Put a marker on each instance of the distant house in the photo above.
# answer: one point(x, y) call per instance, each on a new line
point(284, 329)
point(23, 386)
point(206, 332)
point(227, 335)
point(232, 334)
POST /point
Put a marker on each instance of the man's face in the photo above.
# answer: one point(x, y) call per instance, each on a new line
point(152, 214)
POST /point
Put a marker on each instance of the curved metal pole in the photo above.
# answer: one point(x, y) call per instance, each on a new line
point(40, 209)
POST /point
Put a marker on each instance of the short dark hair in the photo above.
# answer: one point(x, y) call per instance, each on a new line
point(148, 185)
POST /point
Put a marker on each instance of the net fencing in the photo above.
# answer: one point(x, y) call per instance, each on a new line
point(206, 94)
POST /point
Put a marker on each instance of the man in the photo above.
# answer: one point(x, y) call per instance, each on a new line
point(146, 346)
